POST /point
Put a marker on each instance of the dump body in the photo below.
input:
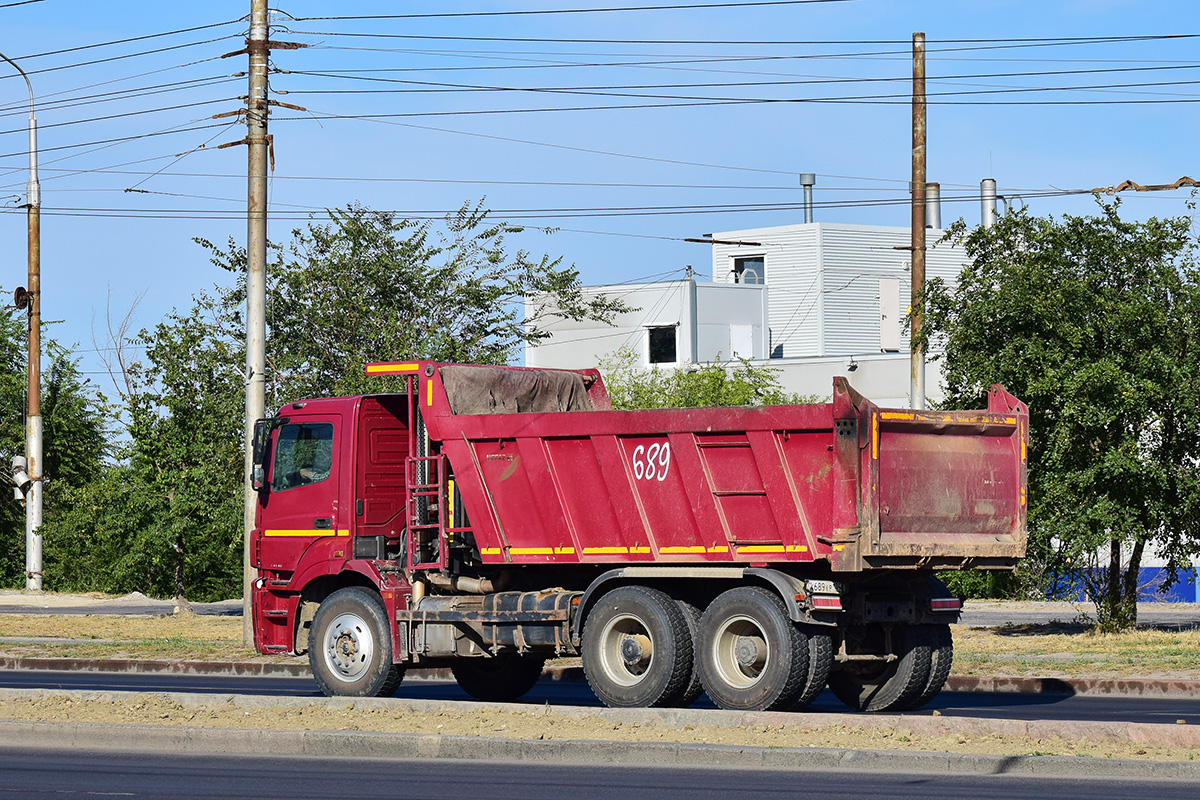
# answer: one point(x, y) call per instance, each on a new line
point(844, 482)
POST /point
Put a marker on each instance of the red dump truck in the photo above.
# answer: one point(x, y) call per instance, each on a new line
point(489, 518)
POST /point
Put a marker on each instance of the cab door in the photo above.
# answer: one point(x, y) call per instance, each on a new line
point(301, 508)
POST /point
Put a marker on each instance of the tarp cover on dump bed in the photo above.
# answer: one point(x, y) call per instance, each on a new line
point(492, 390)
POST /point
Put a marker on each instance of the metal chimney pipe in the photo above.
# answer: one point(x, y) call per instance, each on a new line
point(808, 180)
point(987, 202)
point(933, 206)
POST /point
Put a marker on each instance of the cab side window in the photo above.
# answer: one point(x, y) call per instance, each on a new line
point(303, 455)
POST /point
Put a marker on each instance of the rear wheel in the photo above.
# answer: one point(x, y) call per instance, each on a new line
point(820, 663)
point(637, 649)
point(350, 650)
point(879, 685)
point(694, 688)
point(941, 657)
point(752, 656)
point(500, 679)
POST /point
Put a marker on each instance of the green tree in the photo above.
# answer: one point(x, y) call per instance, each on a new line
point(74, 441)
point(1092, 321)
point(367, 286)
point(631, 386)
point(363, 286)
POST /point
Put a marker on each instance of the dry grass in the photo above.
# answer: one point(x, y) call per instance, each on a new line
point(1057, 650)
point(176, 637)
point(1050, 650)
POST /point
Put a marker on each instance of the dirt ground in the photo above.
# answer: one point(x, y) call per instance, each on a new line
point(544, 723)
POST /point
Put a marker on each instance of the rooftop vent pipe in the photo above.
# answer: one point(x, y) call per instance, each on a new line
point(808, 180)
point(933, 206)
point(987, 202)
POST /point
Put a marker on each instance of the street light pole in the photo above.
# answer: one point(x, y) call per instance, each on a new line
point(33, 416)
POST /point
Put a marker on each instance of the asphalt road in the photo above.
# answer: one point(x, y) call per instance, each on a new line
point(61, 774)
point(994, 705)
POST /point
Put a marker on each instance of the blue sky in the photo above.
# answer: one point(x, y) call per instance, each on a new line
point(836, 75)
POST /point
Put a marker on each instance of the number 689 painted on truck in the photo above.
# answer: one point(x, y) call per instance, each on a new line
point(489, 518)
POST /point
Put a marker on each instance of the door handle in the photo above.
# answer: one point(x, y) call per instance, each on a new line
point(323, 523)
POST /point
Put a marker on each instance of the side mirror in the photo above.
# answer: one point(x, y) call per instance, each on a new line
point(262, 444)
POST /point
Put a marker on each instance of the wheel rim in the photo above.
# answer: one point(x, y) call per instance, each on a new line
point(740, 652)
point(349, 647)
point(626, 650)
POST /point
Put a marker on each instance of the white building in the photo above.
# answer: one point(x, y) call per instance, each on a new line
point(669, 324)
point(811, 301)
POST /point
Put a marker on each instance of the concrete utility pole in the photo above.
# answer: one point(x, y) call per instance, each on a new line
point(257, 143)
point(917, 366)
point(33, 415)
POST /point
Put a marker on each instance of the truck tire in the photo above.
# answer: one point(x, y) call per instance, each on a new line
point(500, 679)
point(820, 663)
point(752, 656)
point(637, 649)
point(880, 685)
point(694, 688)
point(941, 657)
point(350, 647)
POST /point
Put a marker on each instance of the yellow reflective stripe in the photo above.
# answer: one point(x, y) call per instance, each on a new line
point(429, 392)
point(897, 415)
point(388, 368)
point(676, 550)
point(874, 436)
point(607, 551)
point(531, 551)
point(796, 548)
point(760, 548)
point(450, 500)
point(639, 550)
point(1011, 420)
point(718, 548)
point(564, 551)
point(489, 551)
point(277, 532)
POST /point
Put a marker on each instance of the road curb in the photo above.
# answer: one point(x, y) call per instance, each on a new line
point(1111, 687)
point(400, 746)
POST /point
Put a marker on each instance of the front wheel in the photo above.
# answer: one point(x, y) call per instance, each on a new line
point(350, 649)
point(499, 679)
point(752, 657)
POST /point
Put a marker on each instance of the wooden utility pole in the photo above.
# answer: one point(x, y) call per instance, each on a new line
point(917, 378)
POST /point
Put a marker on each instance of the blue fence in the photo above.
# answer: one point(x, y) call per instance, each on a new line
point(1150, 582)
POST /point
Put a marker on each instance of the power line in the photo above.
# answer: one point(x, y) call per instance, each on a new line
point(124, 114)
point(601, 10)
point(138, 54)
point(114, 140)
point(723, 84)
point(128, 40)
point(971, 45)
point(120, 94)
point(551, 213)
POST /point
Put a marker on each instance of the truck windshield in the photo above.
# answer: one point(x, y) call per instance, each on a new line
point(303, 455)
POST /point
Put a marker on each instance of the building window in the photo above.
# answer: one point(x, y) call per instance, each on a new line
point(662, 345)
point(750, 269)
